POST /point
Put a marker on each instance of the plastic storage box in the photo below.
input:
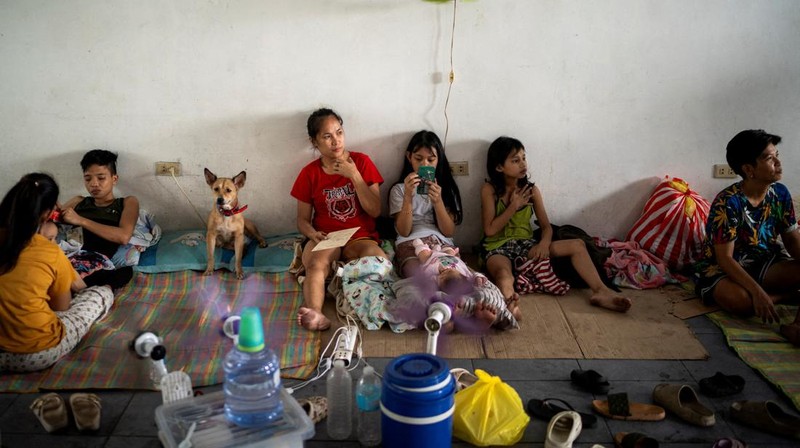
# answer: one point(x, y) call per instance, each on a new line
point(212, 429)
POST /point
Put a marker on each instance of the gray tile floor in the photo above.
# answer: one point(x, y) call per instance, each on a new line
point(128, 416)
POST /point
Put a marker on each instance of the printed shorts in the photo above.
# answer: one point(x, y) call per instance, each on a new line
point(513, 249)
point(757, 269)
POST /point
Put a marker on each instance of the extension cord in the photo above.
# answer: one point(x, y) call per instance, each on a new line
point(345, 345)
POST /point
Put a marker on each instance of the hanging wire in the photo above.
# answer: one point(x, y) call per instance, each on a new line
point(452, 75)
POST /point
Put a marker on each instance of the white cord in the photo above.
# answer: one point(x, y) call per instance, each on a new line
point(452, 76)
point(172, 173)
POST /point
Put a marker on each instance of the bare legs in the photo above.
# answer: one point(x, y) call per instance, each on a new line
point(500, 270)
point(318, 266)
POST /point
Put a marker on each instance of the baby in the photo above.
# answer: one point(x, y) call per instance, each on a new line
point(478, 297)
point(49, 230)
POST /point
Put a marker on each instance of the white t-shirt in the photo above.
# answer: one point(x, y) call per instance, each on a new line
point(422, 215)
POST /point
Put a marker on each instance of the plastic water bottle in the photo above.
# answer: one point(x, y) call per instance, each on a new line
point(340, 402)
point(368, 401)
point(252, 376)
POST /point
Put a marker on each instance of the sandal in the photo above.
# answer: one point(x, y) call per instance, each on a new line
point(721, 385)
point(51, 411)
point(464, 378)
point(590, 381)
point(316, 407)
point(634, 440)
point(618, 407)
point(547, 408)
point(85, 411)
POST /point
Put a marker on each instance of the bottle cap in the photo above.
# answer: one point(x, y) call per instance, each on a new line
point(251, 331)
point(339, 363)
point(368, 370)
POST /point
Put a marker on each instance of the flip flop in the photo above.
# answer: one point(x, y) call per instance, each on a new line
point(590, 381)
point(634, 440)
point(618, 407)
point(51, 411)
point(721, 385)
point(85, 411)
point(546, 409)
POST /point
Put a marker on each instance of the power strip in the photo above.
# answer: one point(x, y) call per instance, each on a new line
point(346, 344)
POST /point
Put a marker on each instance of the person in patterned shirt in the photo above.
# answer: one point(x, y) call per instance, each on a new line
point(745, 269)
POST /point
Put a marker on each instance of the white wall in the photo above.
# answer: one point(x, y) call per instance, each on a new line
point(607, 96)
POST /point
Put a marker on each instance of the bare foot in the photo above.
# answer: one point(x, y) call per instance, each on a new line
point(608, 299)
point(311, 319)
point(791, 332)
point(512, 303)
point(485, 314)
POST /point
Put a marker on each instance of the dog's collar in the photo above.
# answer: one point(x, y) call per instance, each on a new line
point(232, 212)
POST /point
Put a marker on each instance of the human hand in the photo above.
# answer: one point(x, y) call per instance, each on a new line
point(539, 252)
point(764, 308)
point(410, 184)
point(521, 196)
point(434, 192)
point(318, 236)
point(345, 168)
point(70, 216)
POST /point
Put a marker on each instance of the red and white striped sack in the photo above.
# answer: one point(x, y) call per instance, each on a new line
point(673, 224)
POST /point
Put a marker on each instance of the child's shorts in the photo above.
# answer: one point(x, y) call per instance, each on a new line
point(405, 250)
point(513, 249)
point(756, 268)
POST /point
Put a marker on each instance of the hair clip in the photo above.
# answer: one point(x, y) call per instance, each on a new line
point(55, 216)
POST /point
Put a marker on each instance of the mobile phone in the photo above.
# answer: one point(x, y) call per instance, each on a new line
point(523, 182)
point(425, 173)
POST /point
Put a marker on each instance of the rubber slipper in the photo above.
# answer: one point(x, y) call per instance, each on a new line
point(464, 378)
point(618, 407)
point(729, 442)
point(767, 416)
point(562, 430)
point(85, 411)
point(51, 412)
point(590, 381)
point(634, 440)
point(547, 408)
point(721, 385)
point(682, 401)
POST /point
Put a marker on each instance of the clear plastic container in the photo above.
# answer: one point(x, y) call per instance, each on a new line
point(212, 428)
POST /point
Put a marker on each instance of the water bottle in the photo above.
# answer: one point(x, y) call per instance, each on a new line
point(252, 376)
point(340, 402)
point(368, 401)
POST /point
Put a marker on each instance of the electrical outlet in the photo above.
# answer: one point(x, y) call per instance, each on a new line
point(459, 168)
point(163, 168)
point(723, 171)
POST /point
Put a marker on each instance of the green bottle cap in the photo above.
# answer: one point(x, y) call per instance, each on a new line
point(251, 332)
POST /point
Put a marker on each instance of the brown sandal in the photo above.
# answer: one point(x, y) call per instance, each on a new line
point(51, 411)
point(85, 411)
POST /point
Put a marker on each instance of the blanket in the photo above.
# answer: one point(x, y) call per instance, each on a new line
point(187, 310)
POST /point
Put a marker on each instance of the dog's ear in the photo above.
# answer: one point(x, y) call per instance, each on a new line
point(210, 177)
point(239, 179)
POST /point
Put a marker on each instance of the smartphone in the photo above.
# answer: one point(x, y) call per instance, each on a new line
point(522, 182)
point(425, 173)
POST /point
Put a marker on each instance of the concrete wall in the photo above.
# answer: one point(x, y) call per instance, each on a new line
point(607, 96)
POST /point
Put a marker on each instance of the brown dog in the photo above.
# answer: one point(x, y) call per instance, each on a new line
point(226, 223)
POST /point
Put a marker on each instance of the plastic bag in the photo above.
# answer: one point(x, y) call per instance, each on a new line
point(672, 225)
point(489, 412)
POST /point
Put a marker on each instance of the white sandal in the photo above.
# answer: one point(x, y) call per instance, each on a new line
point(51, 411)
point(464, 378)
point(316, 407)
point(85, 411)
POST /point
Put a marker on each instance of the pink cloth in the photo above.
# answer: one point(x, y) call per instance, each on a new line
point(630, 266)
point(537, 277)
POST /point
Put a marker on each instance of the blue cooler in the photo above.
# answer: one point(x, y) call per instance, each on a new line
point(417, 402)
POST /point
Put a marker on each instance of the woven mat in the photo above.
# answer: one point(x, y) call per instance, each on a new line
point(566, 327)
point(764, 349)
point(187, 310)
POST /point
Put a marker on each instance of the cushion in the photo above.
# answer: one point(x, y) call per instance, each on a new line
point(186, 250)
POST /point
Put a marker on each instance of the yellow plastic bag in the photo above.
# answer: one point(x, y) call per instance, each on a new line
point(489, 412)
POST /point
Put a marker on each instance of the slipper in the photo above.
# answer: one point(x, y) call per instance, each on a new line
point(51, 411)
point(634, 440)
point(546, 409)
point(682, 401)
point(767, 416)
point(729, 442)
point(591, 381)
point(721, 385)
point(618, 407)
point(562, 430)
point(316, 407)
point(464, 378)
point(85, 411)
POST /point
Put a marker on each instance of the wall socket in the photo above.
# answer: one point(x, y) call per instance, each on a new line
point(459, 168)
point(163, 168)
point(723, 171)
